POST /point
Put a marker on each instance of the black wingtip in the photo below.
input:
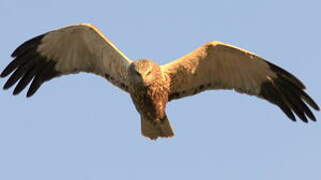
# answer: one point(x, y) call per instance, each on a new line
point(28, 95)
point(2, 75)
point(289, 97)
point(29, 65)
point(281, 72)
point(29, 44)
point(289, 94)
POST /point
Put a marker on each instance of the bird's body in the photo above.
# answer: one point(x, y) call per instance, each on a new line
point(149, 92)
point(215, 65)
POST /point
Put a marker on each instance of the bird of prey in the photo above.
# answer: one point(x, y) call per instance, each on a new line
point(215, 65)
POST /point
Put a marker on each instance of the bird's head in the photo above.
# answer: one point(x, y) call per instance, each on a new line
point(143, 72)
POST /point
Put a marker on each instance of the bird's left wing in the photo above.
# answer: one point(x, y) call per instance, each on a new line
point(216, 65)
point(72, 49)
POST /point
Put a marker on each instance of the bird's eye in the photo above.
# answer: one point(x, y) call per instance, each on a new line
point(148, 73)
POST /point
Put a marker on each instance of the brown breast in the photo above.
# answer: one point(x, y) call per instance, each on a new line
point(151, 101)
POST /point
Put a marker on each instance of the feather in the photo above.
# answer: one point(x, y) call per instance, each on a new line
point(72, 49)
point(224, 66)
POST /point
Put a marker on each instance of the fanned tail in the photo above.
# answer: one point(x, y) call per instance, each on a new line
point(154, 129)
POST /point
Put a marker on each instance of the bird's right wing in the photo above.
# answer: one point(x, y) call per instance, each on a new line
point(72, 49)
point(216, 65)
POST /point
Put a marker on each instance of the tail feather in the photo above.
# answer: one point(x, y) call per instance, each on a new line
point(153, 130)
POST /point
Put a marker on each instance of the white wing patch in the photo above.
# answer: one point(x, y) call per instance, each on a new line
point(218, 66)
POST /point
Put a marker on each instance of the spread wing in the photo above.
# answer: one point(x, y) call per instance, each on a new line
point(216, 65)
point(72, 49)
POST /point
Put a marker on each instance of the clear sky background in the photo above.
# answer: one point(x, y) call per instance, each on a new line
point(80, 127)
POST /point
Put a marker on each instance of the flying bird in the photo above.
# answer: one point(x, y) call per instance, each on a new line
point(215, 65)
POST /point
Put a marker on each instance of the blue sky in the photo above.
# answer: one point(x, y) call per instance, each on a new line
point(81, 127)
